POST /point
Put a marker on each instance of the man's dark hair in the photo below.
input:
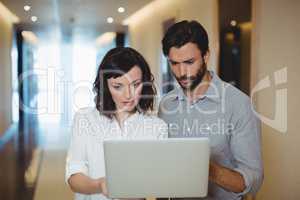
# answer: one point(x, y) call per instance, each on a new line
point(116, 63)
point(184, 32)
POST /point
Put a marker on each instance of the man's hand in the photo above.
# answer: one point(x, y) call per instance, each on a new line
point(102, 185)
point(226, 178)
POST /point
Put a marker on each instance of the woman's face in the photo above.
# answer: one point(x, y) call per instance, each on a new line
point(126, 89)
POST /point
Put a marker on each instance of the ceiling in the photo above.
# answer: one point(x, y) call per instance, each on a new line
point(80, 16)
point(74, 11)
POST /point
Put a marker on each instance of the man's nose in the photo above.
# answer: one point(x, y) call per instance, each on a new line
point(183, 69)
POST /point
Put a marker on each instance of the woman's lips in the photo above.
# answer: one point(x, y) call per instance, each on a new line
point(128, 103)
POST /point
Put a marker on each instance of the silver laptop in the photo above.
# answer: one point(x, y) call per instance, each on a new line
point(176, 167)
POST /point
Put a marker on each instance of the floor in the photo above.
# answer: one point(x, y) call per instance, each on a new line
point(51, 177)
point(32, 162)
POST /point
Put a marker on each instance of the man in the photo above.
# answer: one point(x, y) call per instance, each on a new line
point(205, 106)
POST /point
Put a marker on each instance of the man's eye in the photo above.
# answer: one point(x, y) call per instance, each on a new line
point(173, 63)
point(189, 62)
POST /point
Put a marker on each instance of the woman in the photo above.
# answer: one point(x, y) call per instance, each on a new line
point(124, 97)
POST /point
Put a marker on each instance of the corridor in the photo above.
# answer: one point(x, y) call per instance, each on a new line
point(50, 51)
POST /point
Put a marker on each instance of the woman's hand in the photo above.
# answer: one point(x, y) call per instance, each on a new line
point(83, 184)
point(102, 185)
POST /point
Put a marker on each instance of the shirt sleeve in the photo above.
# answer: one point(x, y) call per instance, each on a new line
point(160, 112)
point(76, 161)
point(245, 146)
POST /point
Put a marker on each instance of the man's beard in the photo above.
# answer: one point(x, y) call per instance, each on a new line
point(195, 80)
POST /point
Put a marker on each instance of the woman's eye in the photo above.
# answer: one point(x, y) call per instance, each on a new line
point(117, 87)
point(137, 85)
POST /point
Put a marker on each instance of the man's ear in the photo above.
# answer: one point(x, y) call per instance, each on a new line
point(206, 57)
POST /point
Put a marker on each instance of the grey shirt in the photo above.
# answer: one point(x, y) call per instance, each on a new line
point(225, 115)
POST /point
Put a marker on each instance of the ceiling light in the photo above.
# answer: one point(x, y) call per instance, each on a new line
point(121, 10)
point(110, 20)
point(233, 23)
point(27, 7)
point(34, 18)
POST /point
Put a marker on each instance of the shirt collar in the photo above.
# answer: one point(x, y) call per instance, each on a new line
point(213, 92)
point(132, 118)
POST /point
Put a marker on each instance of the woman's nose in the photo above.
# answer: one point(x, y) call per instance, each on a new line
point(128, 93)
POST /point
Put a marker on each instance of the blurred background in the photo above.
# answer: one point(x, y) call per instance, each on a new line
point(50, 51)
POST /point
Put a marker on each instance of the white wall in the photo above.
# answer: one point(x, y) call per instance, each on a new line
point(6, 26)
point(146, 29)
point(275, 45)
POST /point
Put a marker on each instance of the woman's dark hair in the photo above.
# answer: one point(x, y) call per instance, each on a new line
point(184, 32)
point(116, 63)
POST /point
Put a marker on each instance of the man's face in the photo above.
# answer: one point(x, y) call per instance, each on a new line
point(188, 65)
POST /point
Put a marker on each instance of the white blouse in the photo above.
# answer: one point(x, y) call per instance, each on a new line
point(90, 129)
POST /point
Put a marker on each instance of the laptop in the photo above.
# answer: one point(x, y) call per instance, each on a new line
point(166, 168)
